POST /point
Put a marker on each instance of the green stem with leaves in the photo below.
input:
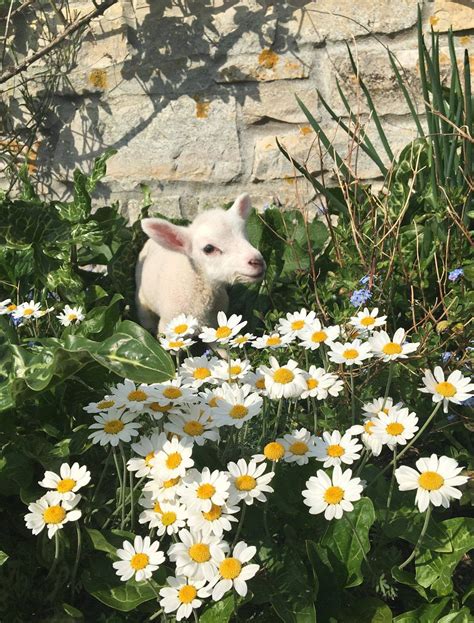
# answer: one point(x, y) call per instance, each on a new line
point(420, 539)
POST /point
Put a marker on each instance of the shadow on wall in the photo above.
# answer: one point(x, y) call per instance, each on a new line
point(130, 95)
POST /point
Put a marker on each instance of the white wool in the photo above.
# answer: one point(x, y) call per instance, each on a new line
point(175, 274)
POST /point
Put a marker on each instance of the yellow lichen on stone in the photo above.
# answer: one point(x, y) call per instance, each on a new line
point(202, 108)
point(267, 58)
point(305, 130)
point(98, 78)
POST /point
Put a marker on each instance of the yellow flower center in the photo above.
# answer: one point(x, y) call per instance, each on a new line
point(245, 483)
point(335, 450)
point(167, 519)
point(446, 389)
point(105, 404)
point(319, 336)
point(235, 370)
point(187, 594)
point(157, 408)
point(167, 484)
point(223, 332)
point(176, 344)
point(72, 317)
point(350, 353)
point(283, 376)
point(205, 491)
point(157, 508)
point(385, 410)
point(193, 428)
point(333, 495)
point(11, 307)
point(201, 373)
point(199, 552)
point(172, 393)
point(241, 339)
point(112, 427)
point(312, 383)
point(395, 428)
point(149, 458)
point(368, 321)
point(392, 348)
point(213, 402)
point(174, 460)
point(431, 481)
point(181, 328)
point(214, 513)
point(139, 561)
point(230, 568)
point(274, 451)
point(54, 514)
point(296, 325)
point(299, 448)
point(238, 412)
point(368, 427)
point(65, 485)
point(273, 340)
point(137, 395)
point(28, 311)
point(260, 383)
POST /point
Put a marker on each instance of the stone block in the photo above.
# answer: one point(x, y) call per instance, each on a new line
point(277, 101)
point(456, 15)
point(265, 66)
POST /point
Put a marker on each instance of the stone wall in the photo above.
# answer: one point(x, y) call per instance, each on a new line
point(192, 94)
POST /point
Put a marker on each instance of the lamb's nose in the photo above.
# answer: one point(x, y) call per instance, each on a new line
point(257, 262)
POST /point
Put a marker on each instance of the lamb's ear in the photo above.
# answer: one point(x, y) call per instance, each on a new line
point(242, 206)
point(166, 234)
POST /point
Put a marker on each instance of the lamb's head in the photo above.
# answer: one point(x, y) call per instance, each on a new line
point(215, 242)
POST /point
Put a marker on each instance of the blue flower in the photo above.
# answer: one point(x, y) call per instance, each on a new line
point(364, 280)
point(455, 274)
point(446, 356)
point(359, 297)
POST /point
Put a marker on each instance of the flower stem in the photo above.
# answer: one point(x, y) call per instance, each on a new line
point(389, 382)
point(277, 419)
point(124, 484)
point(420, 539)
point(78, 557)
point(101, 479)
point(132, 505)
point(56, 556)
point(315, 414)
point(239, 527)
point(352, 397)
point(153, 589)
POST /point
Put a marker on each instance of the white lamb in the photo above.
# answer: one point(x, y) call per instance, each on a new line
point(187, 269)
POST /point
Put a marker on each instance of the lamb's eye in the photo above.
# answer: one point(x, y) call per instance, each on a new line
point(209, 248)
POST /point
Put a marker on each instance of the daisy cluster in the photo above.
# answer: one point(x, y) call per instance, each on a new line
point(29, 310)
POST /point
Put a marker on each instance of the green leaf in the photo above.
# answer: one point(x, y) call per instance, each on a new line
point(108, 541)
point(428, 613)
point(366, 610)
point(16, 471)
point(73, 612)
point(462, 616)
point(341, 540)
point(3, 558)
point(406, 523)
point(219, 612)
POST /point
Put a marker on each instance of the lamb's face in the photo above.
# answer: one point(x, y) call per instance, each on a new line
point(221, 250)
point(215, 242)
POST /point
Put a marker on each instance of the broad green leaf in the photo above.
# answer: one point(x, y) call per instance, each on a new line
point(3, 558)
point(340, 539)
point(219, 612)
point(16, 471)
point(108, 541)
point(366, 610)
point(73, 612)
point(462, 616)
point(406, 523)
point(428, 613)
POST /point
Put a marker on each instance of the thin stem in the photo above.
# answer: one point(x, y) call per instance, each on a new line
point(409, 444)
point(119, 475)
point(315, 414)
point(154, 589)
point(239, 527)
point(420, 539)
point(353, 404)
point(390, 490)
point(389, 382)
point(56, 555)
point(101, 479)
point(113, 513)
point(132, 505)
point(124, 484)
point(78, 556)
point(277, 419)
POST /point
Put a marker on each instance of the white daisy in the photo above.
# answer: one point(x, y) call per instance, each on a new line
point(106, 404)
point(215, 521)
point(193, 423)
point(350, 353)
point(162, 489)
point(183, 596)
point(374, 444)
point(456, 388)
point(7, 307)
point(174, 393)
point(128, 395)
point(297, 323)
point(167, 517)
point(367, 320)
point(152, 509)
point(173, 459)
point(209, 399)
point(181, 326)
point(272, 341)
point(257, 381)
point(71, 478)
point(274, 451)
point(249, 481)
point(315, 335)
point(70, 315)
point(300, 446)
point(113, 427)
point(232, 370)
point(195, 371)
point(321, 383)
point(27, 311)
point(241, 340)
point(174, 343)
point(283, 381)
point(334, 495)
point(200, 490)
point(335, 449)
point(196, 555)
point(236, 406)
point(139, 560)
point(435, 481)
point(227, 328)
point(370, 409)
point(395, 427)
point(52, 512)
point(389, 349)
point(233, 572)
point(147, 448)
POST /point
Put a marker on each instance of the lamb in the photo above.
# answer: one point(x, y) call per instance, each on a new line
point(187, 269)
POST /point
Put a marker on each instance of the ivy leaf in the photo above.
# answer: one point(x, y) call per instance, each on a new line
point(427, 613)
point(219, 612)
